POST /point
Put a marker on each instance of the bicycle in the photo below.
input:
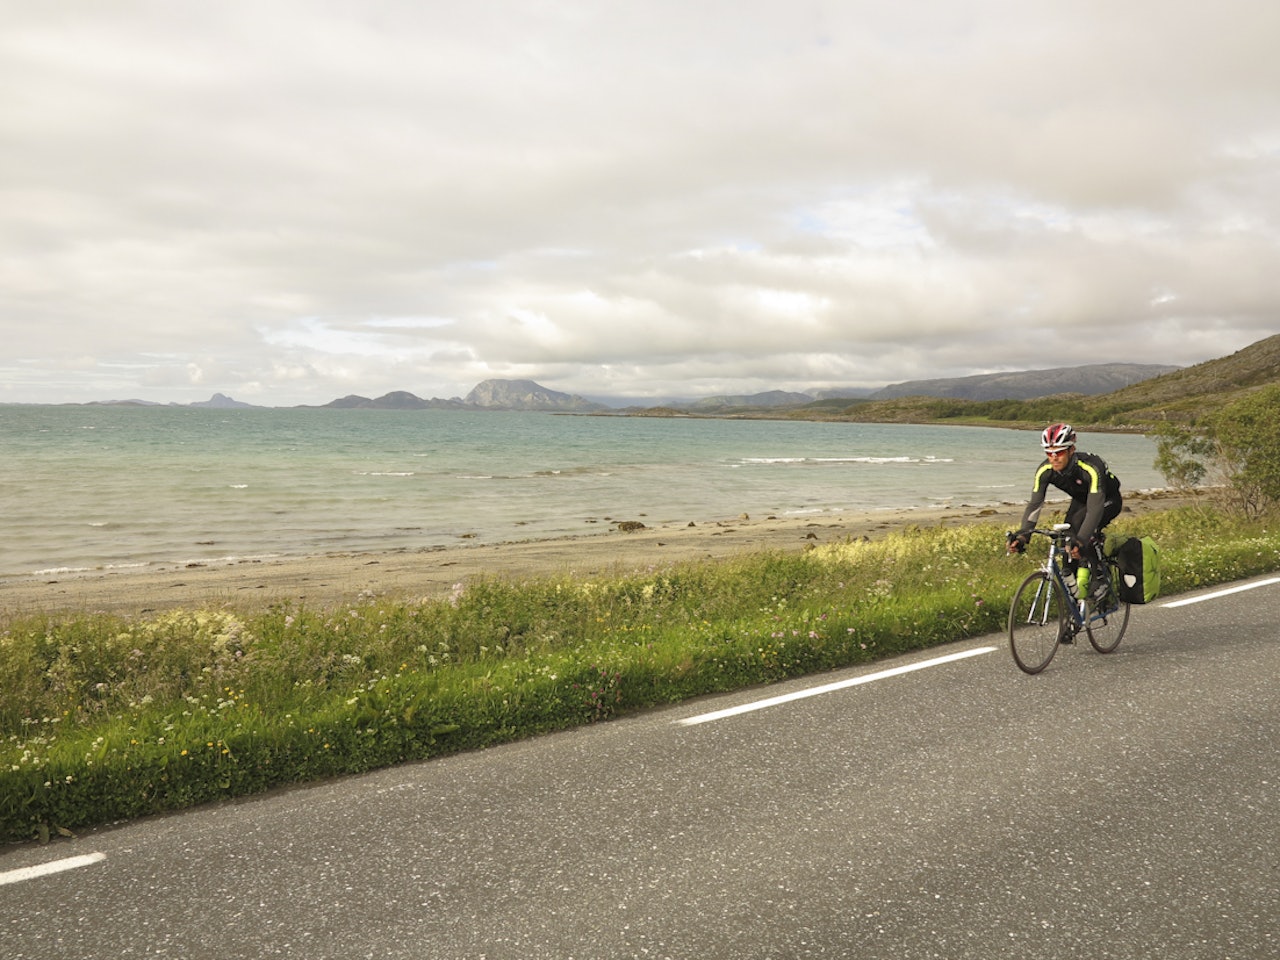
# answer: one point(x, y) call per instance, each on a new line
point(1047, 611)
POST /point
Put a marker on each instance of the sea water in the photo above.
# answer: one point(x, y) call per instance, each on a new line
point(100, 487)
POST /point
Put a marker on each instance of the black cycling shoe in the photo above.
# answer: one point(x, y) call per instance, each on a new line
point(1102, 601)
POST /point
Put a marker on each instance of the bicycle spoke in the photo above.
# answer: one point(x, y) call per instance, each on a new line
point(1037, 618)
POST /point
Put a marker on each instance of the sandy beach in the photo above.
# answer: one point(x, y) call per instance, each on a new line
point(338, 578)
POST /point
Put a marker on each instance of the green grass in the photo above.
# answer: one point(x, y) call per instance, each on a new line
point(104, 718)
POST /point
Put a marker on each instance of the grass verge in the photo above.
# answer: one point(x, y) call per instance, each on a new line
point(104, 718)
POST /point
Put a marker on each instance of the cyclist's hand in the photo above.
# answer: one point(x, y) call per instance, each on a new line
point(1076, 544)
point(1017, 542)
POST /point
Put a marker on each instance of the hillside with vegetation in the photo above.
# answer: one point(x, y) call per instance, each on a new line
point(1090, 380)
point(1185, 396)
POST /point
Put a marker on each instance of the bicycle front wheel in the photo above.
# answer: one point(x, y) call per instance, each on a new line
point(1106, 625)
point(1037, 619)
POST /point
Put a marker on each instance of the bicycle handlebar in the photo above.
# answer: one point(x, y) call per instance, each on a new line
point(1059, 534)
point(1063, 533)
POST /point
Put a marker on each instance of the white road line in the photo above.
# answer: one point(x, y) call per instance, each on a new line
point(1222, 593)
point(53, 866)
point(829, 687)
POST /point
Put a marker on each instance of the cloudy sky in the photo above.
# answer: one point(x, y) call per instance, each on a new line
point(288, 201)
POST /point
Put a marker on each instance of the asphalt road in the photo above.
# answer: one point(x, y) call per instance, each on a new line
point(1123, 806)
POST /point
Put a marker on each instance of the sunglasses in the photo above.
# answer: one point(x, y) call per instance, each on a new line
point(1057, 453)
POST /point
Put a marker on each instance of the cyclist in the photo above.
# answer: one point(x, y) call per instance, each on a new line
point(1095, 500)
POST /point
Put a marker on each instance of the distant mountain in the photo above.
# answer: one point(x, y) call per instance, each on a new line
point(121, 403)
point(352, 401)
point(1087, 380)
point(1132, 384)
point(395, 400)
point(220, 401)
point(843, 393)
point(527, 395)
point(1137, 391)
point(488, 395)
point(1029, 385)
point(770, 398)
point(1184, 395)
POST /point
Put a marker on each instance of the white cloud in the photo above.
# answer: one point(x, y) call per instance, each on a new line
point(300, 201)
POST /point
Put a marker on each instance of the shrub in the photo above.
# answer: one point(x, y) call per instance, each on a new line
point(1238, 448)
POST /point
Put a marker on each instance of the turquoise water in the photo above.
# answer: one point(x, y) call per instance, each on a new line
point(87, 487)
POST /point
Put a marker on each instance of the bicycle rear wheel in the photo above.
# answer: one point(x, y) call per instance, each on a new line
point(1106, 626)
point(1037, 618)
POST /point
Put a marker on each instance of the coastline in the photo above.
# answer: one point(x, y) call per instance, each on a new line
point(338, 578)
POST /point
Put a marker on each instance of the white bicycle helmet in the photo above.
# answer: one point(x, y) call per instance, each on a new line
point(1058, 437)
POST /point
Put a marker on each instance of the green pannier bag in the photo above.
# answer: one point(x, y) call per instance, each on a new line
point(1139, 561)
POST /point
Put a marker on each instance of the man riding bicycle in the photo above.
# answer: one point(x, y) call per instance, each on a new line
point(1095, 500)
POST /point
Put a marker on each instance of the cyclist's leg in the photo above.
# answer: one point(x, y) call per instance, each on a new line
point(1108, 614)
point(1091, 553)
point(1099, 575)
point(1074, 518)
point(1099, 578)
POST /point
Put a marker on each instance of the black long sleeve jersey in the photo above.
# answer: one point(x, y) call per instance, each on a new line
point(1087, 480)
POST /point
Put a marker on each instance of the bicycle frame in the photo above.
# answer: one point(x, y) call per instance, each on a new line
point(1055, 566)
point(1047, 609)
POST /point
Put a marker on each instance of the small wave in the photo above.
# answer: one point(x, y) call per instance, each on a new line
point(550, 473)
point(769, 461)
point(573, 472)
point(225, 560)
point(238, 486)
point(64, 571)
